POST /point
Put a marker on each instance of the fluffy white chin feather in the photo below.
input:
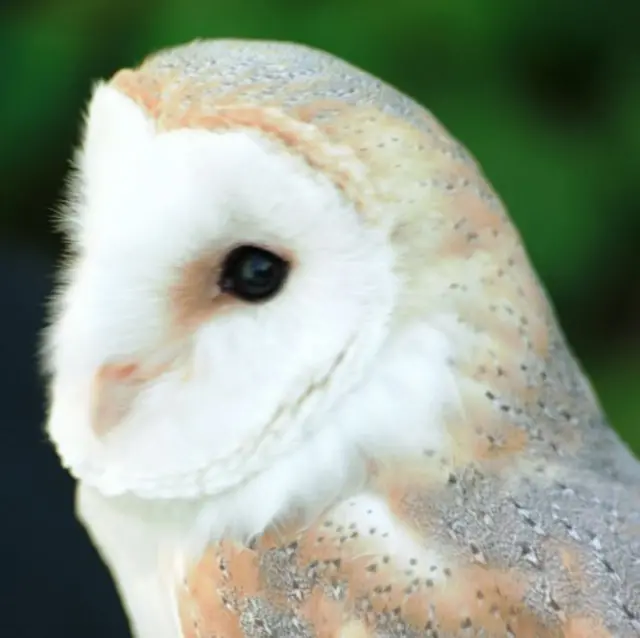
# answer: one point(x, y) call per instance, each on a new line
point(409, 383)
point(150, 544)
point(186, 440)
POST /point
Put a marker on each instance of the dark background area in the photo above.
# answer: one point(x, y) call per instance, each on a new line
point(546, 94)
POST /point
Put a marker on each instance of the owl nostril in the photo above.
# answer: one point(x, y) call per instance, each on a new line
point(120, 372)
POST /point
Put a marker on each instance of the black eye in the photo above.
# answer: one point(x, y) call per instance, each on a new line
point(253, 274)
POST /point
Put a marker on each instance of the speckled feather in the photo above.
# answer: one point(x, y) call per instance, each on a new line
point(534, 512)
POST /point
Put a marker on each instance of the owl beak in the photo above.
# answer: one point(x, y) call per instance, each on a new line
point(114, 388)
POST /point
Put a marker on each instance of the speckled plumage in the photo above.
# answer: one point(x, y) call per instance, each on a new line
point(528, 523)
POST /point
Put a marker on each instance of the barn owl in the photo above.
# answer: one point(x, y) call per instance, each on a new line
point(306, 377)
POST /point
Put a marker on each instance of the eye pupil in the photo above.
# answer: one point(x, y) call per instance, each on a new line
point(253, 274)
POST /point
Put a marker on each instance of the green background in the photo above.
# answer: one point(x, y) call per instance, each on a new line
point(546, 95)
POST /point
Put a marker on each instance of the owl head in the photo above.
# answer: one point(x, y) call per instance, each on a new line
point(266, 246)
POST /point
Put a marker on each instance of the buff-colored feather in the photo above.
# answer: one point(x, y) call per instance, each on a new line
point(400, 444)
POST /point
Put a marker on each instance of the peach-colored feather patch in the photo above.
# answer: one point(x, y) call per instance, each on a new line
point(176, 105)
point(144, 89)
point(316, 109)
point(416, 475)
point(298, 136)
point(570, 558)
point(480, 598)
point(210, 600)
point(507, 441)
point(325, 615)
point(580, 627)
point(474, 227)
point(196, 296)
point(354, 629)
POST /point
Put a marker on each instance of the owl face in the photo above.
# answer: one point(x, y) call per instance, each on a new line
point(221, 300)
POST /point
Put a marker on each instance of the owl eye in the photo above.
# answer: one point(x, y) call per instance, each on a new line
point(253, 274)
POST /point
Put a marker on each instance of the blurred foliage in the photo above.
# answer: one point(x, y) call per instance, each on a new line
point(546, 94)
